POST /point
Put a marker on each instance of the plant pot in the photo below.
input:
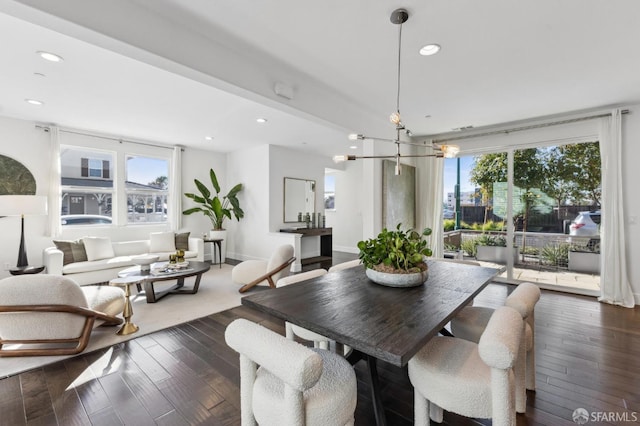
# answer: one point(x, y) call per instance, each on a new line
point(220, 234)
point(496, 254)
point(397, 280)
point(586, 262)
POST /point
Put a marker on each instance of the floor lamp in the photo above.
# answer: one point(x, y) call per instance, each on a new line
point(23, 205)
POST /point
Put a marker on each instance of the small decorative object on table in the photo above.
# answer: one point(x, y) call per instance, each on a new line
point(396, 258)
point(145, 261)
point(172, 259)
point(179, 256)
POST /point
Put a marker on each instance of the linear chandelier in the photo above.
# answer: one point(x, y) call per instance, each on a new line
point(399, 17)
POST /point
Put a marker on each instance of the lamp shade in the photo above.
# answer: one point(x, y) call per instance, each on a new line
point(19, 205)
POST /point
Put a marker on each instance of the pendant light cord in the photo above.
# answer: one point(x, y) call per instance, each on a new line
point(399, 56)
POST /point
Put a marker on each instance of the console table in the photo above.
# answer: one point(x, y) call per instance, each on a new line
point(326, 243)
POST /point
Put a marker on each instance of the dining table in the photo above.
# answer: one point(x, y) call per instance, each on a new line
point(378, 322)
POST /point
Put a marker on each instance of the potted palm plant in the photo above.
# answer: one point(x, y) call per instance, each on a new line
point(396, 258)
point(216, 208)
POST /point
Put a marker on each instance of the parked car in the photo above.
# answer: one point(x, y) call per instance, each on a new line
point(85, 219)
point(586, 224)
point(448, 214)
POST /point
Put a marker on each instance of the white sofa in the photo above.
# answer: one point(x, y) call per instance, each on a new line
point(103, 270)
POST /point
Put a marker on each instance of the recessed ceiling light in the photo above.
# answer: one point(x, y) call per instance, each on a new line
point(34, 102)
point(208, 138)
point(353, 147)
point(261, 120)
point(429, 49)
point(52, 57)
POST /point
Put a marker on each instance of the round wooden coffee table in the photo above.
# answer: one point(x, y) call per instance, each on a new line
point(147, 279)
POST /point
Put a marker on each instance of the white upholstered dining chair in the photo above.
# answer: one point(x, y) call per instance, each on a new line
point(293, 330)
point(470, 379)
point(345, 265)
point(471, 321)
point(285, 383)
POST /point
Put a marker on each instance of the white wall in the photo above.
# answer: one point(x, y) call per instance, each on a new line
point(346, 220)
point(283, 163)
point(248, 239)
point(262, 171)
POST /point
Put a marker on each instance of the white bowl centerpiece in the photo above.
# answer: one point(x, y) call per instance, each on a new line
point(145, 261)
point(396, 258)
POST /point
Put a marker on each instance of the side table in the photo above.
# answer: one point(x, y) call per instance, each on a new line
point(24, 270)
point(128, 327)
point(217, 242)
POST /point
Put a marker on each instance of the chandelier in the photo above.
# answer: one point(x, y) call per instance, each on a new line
point(399, 17)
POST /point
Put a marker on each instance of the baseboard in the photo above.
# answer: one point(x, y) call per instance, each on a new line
point(346, 249)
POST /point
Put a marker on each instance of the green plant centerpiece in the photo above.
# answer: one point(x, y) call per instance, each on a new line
point(212, 206)
point(396, 258)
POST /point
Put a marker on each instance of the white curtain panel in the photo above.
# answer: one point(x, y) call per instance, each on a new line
point(175, 193)
point(55, 191)
point(614, 281)
point(430, 176)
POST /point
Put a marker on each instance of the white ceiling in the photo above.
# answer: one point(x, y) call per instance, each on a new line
point(176, 70)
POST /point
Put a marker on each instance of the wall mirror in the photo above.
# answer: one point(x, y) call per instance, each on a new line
point(299, 197)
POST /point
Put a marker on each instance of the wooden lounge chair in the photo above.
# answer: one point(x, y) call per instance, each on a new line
point(251, 273)
point(52, 314)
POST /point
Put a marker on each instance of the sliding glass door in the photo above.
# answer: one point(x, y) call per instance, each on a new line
point(534, 211)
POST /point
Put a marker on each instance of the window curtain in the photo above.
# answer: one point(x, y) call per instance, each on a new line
point(54, 202)
point(430, 177)
point(175, 192)
point(614, 281)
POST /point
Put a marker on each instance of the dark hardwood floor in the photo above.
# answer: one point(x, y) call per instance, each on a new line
point(587, 357)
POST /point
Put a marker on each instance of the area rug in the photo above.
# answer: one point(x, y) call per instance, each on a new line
point(216, 293)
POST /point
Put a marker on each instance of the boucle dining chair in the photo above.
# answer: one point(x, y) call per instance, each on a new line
point(292, 330)
point(251, 273)
point(52, 314)
point(471, 321)
point(285, 383)
point(471, 379)
point(345, 265)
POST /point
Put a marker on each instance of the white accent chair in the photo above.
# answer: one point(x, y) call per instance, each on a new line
point(470, 323)
point(292, 330)
point(52, 314)
point(285, 383)
point(251, 273)
point(345, 265)
point(472, 380)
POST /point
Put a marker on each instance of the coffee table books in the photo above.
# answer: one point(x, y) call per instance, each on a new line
point(166, 268)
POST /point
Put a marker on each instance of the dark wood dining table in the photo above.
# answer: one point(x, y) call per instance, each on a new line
point(378, 322)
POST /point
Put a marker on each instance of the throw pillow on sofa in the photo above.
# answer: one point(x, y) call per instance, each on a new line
point(98, 248)
point(162, 242)
point(182, 241)
point(73, 251)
